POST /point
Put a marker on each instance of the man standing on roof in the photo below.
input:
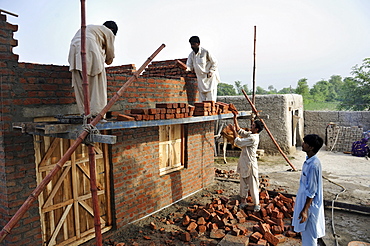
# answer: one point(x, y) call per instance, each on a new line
point(204, 65)
point(99, 50)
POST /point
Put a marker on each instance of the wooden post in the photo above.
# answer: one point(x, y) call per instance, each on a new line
point(91, 149)
point(268, 132)
point(254, 67)
point(27, 204)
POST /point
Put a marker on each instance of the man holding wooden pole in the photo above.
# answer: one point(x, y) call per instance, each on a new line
point(247, 164)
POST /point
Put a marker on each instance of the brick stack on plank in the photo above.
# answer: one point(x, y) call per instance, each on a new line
point(207, 108)
point(162, 111)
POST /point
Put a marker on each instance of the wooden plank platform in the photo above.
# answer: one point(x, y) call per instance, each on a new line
point(49, 128)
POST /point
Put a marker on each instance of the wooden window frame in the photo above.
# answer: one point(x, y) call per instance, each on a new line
point(170, 142)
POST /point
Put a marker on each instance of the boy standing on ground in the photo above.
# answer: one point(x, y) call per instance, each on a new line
point(308, 217)
point(247, 164)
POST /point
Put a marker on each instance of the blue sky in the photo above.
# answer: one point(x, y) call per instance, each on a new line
point(296, 39)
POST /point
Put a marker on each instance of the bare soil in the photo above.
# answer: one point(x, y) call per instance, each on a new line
point(340, 171)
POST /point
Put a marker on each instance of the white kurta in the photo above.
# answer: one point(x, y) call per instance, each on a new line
point(247, 164)
point(310, 185)
point(202, 63)
point(99, 50)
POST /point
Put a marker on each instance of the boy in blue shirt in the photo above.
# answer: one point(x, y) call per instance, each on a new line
point(308, 217)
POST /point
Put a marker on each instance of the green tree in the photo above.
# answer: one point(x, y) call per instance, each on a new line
point(355, 93)
point(261, 91)
point(335, 86)
point(271, 89)
point(320, 91)
point(224, 89)
point(239, 87)
point(286, 90)
point(304, 90)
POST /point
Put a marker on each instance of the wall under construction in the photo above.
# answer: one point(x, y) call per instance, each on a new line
point(34, 90)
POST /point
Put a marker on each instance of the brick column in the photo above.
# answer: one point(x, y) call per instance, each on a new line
point(17, 162)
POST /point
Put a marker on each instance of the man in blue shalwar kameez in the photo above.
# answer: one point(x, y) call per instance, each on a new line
point(308, 217)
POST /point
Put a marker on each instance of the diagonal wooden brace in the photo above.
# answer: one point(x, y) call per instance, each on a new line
point(268, 131)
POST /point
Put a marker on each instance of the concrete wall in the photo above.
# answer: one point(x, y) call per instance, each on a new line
point(281, 109)
point(317, 121)
point(34, 90)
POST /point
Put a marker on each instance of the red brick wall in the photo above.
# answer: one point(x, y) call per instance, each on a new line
point(17, 164)
point(138, 188)
point(29, 90)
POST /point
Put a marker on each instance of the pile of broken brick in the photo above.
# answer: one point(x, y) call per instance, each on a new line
point(164, 111)
point(216, 219)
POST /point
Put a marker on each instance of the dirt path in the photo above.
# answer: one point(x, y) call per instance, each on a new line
point(348, 171)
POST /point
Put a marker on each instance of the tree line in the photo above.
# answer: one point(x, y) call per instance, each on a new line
point(350, 93)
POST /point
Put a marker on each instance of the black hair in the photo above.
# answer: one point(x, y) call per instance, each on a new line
point(194, 39)
point(111, 25)
point(314, 141)
point(259, 125)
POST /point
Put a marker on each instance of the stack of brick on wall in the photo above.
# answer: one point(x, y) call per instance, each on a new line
point(340, 138)
point(162, 111)
point(172, 69)
point(207, 108)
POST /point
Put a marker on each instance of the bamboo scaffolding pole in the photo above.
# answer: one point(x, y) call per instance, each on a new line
point(268, 132)
point(91, 149)
point(37, 191)
point(254, 67)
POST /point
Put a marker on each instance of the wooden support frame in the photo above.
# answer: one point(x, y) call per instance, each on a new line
point(65, 204)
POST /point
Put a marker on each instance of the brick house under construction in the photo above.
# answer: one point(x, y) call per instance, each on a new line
point(150, 166)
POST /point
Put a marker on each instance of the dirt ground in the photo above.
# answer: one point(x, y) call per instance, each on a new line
point(344, 172)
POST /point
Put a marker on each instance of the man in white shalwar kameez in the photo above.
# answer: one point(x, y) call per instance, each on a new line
point(204, 65)
point(99, 50)
point(247, 164)
point(308, 216)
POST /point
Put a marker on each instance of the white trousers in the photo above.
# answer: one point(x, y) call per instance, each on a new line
point(97, 88)
point(251, 184)
point(208, 96)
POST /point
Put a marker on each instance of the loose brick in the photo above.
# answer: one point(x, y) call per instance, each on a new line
point(217, 234)
point(255, 237)
point(185, 237)
point(192, 226)
point(271, 238)
point(122, 117)
point(185, 220)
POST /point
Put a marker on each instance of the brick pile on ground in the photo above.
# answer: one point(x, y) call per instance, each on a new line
point(222, 216)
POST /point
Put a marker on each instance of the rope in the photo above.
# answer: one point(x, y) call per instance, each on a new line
point(332, 208)
point(92, 130)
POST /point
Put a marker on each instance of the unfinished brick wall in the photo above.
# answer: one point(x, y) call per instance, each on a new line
point(139, 189)
point(35, 90)
point(17, 164)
